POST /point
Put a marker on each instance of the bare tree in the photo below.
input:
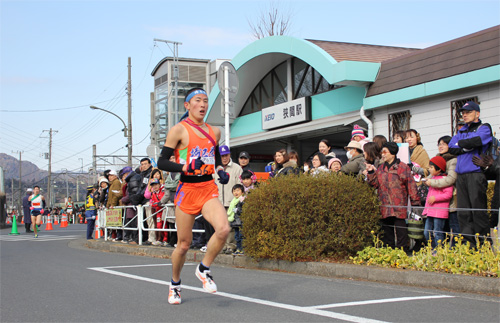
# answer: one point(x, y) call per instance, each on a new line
point(271, 22)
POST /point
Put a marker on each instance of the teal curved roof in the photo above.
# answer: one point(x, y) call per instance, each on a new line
point(300, 48)
point(352, 67)
point(310, 53)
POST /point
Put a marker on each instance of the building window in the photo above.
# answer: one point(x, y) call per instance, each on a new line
point(273, 88)
point(399, 121)
point(307, 81)
point(455, 112)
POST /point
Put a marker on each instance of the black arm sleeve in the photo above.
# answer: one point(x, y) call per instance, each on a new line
point(474, 142)
point(455, 151)
point(218, 159)
point(164, 162)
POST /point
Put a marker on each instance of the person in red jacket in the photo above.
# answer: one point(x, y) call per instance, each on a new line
point(394, 184)
point(155, 194)
point(437, 203)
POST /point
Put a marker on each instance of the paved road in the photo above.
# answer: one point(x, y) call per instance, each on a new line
point(55, 279)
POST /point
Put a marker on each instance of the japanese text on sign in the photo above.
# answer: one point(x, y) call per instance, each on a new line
point(114, 218)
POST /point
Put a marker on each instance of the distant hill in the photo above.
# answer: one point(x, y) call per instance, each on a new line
point(31, 172)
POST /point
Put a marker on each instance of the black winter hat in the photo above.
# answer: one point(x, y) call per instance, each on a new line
point(392, 147)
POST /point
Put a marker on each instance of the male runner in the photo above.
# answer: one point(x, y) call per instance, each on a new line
point(197, 153)
point(37, 203)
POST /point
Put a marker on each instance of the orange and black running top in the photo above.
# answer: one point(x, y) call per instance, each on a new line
point(197, 147)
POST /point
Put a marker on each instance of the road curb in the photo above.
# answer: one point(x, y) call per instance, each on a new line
point(451, 282)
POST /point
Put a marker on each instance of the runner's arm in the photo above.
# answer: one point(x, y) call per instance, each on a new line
point(164, 162)
point(218, 159)
point(174, 137)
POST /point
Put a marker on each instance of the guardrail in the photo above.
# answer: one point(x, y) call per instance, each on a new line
point(143, 215)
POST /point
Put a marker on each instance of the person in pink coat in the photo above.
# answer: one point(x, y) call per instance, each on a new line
point(437, 203)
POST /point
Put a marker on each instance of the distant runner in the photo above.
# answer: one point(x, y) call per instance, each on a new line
point(37, 203)
point(69, 208)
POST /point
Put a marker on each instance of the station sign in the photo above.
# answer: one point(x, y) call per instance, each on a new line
point(287, 113)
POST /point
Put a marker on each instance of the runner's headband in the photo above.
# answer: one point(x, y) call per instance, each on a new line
point(192, 94)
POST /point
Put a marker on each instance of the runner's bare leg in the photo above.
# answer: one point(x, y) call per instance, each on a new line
point(184, 223)
point(33, 221)
point(216, 215)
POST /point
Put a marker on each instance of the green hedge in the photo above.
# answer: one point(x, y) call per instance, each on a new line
point(309, 218)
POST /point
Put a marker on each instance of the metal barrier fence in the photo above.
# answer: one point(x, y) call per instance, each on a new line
point(144, 218)
point(410, 213)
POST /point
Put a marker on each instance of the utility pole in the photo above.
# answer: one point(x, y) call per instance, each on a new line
point(12, 193)
point(67, 186)
point(20, 199)
point(78, 182)
point(78, 187)
point(49, 182)
point(129, 93)
point(94, 160)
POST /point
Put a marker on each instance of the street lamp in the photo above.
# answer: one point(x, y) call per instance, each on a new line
point(125, 130)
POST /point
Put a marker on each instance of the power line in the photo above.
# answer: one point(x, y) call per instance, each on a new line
point(59, 109)
point(80, 152)
point(147, 68)
point(94, 121)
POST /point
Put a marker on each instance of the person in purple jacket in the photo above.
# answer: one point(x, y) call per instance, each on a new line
point(471, 140)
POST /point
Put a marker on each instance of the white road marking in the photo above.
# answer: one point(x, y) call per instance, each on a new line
point(381, 301)
point(40, 238)
point(307, 310)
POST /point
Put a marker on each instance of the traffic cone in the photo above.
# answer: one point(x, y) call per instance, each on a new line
point(56, 221)
point(64, 221)
point(22, 220)
point(97, 233)
point(8, 220)
point(48, 225)
point(14, 227)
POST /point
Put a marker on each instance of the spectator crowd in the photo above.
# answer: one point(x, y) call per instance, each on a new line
point(444, 194)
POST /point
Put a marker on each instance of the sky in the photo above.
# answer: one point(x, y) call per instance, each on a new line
point(59, 57)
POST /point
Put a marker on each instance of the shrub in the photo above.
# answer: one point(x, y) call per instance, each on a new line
point(309, 218)
point(483, 260)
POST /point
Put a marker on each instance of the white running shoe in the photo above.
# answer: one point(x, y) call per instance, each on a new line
point(174, 295)
point(203, 249)
point(207, 280)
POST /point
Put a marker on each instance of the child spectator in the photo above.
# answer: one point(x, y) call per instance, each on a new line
point(358, 135)
point(233, 216)
point(155, 194)
point(248, 180)
point(438, 200)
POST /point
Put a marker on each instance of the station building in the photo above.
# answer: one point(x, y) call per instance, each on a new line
point(295, 92)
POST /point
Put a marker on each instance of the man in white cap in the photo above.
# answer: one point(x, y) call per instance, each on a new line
point(115, 189)
point(356, 164)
